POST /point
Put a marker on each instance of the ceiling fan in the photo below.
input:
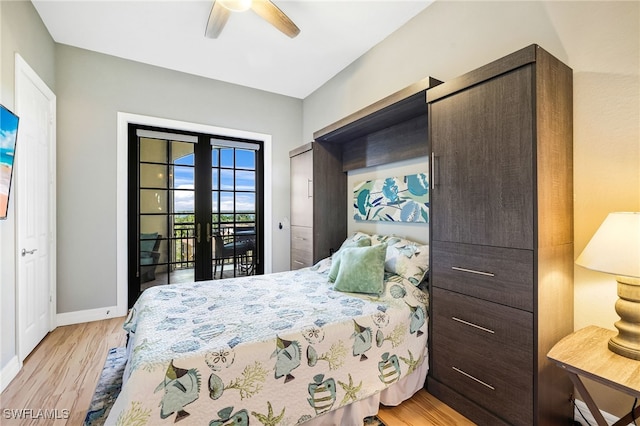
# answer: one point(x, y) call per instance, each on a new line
point(264, 8)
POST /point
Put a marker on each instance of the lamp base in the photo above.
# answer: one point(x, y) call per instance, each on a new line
point(625, 351)
point(627, 342)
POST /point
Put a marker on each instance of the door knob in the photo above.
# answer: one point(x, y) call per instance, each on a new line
point(26, 252)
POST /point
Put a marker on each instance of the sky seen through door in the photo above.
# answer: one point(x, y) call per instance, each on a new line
point(235, 181)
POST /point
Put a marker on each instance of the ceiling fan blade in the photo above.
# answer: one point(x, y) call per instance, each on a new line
point(217, 19)
point(272, 14)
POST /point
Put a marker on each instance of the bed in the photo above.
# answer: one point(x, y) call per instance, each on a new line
point(320, 345)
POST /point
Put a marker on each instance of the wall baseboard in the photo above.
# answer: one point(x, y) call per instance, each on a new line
point(9, 372)
point(582, 413)
point(88, 315)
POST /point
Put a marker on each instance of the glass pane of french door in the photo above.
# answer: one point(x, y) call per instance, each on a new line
point(234, 186)
point(167, 185)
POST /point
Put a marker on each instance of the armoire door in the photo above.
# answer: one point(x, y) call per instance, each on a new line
point(483, 170)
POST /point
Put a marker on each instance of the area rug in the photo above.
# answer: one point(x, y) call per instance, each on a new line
point(108, 387)
point(110, 383)
point(373, 421)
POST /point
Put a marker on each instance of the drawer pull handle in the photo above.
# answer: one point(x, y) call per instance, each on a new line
point(299, 238)
point(473, 378)
point(298, 262)
point(473, 271)
point(473, 325)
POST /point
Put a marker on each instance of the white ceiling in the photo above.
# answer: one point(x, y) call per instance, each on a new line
point(249, 52)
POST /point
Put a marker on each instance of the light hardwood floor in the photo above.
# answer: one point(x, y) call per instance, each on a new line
point(62, 373)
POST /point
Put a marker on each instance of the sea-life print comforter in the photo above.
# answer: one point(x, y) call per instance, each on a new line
point(275, 349)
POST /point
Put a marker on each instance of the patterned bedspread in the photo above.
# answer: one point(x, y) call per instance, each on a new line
point(275, 349)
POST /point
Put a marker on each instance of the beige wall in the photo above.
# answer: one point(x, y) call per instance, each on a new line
point(92, 88)
point(599, 40)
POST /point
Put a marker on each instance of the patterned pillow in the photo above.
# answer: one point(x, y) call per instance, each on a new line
point(322, 266)
point(406, 258)
point(357, 238)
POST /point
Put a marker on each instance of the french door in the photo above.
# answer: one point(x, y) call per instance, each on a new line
point(195, 207)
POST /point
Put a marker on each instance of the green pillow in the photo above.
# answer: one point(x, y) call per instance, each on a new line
point(335, 259)
point(361, 270)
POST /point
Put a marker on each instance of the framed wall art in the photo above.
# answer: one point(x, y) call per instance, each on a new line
point(393, 199)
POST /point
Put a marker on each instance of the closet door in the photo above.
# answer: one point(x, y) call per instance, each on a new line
point(483, 169)
point(318, 194)
point(302, 238)
point(302, 189)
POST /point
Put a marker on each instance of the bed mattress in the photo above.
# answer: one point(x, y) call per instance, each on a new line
point(277, 349)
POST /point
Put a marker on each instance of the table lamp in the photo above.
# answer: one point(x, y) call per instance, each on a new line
point(615, 249)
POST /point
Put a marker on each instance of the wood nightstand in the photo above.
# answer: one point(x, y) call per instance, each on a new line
point(585, 353)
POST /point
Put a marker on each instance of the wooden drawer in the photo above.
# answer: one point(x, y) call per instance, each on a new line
point(301, 247)
point(496, 274)
point(484, 351)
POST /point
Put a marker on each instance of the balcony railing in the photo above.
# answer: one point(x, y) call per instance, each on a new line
point(182, 255)
point(183, 246)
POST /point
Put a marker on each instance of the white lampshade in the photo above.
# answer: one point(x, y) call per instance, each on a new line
point(615, 247)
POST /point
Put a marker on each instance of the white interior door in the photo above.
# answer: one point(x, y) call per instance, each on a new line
point(35, 207)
